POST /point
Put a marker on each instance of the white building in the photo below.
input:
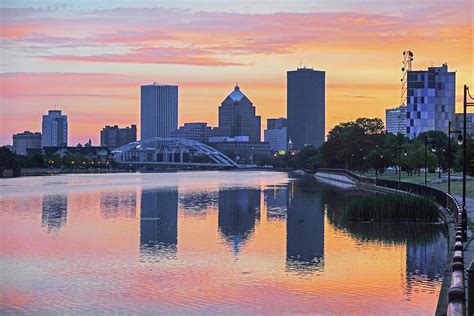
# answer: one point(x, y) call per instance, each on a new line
point(395, 120)
point(54, 129)
point(26, 140)
point(159, 110)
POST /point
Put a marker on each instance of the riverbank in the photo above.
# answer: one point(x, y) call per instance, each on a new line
point(455, 253)
point(31, 172)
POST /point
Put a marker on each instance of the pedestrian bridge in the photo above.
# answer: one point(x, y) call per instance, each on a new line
point(162, 151)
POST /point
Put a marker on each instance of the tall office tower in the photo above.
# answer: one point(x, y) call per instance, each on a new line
point(395, 120)
point(237, 116)
point(54, 131)
point(306, 107)
point(431, 100)
point(113, 136)
point(159, 110)
point(275, 134)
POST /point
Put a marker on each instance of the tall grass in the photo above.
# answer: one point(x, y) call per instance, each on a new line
point(391, 208)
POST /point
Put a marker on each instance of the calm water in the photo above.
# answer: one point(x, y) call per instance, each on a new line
point(212, 242)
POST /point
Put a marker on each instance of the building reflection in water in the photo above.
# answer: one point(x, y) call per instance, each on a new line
point(426, 260)
point(426, 244)
point(276, 201)
point(237, 213)
point(54, 212)
point(304, 229)
point(118, 204)
point(159, 223)
point(197, 202)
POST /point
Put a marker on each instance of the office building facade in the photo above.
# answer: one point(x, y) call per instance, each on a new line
point(431, 96)
point(26, 140)
point(395, 120)
point(237, 117)
point(114, 136)
point(469, 123)
point(306, 104)
point(54, 129)
point(195, 131)
point(276, 134)
point(158, 110)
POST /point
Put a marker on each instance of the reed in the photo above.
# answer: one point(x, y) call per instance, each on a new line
point(391, 208)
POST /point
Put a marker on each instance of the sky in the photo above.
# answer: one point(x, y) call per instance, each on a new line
point(89, 58)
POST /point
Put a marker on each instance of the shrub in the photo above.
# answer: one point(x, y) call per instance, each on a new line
point(391, 208)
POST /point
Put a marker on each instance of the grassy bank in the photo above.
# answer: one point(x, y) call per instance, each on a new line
point(456, 186)
point(392, 208)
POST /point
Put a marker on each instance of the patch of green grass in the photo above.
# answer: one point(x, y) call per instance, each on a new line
point(456, 186)
point(391, 208)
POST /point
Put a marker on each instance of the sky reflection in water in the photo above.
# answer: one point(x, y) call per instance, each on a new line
point(206, 242)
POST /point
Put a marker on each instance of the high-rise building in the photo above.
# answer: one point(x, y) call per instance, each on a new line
point(113, 136)
point(306, 107)
point(237, 116)
point(276, 134)
point(54, 129)
point(159, 110)
point(395, 120)
point(195, 131)
point(469, 123)
point(431, 100)
point(26, 140)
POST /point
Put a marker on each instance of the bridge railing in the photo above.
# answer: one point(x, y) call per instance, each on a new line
point(457, 289)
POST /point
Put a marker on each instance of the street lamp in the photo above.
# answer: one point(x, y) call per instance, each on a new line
point(433, 149)
point(460, 141)
point(400, 151)
point(464, 158)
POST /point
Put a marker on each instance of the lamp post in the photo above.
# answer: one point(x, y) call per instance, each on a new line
point(433, 149)
point(464, 158)
point(400, 150)
point(460, 141)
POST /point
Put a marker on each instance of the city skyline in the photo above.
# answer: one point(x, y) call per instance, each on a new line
point(93, 73)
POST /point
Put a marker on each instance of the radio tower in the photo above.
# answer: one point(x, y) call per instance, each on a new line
point(407, 60)
point(406, 67)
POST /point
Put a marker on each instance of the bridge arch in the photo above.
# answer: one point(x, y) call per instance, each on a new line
point(170, 151)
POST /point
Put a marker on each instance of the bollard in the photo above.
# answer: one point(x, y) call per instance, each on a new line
point(470, 288)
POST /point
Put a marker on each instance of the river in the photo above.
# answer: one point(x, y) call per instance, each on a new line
point(206, 242)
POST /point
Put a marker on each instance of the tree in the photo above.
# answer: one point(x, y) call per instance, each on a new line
point(9, 160)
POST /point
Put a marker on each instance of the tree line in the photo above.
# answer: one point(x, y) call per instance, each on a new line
point(364, 144)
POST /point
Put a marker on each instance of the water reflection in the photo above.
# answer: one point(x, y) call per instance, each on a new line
point(237, 212)
point(426, 244)
point(54, 212)
point(113, 205)
point(276, 201)
point(159, 223)
point(305, 229)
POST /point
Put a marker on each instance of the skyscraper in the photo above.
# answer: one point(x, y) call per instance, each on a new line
point(159, 110)
point(395, 120)
point(237, 117)
point(54, 129)
point(431, 100)
point(306, 107)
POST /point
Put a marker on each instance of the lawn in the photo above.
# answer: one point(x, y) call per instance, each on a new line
point(456, 186)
